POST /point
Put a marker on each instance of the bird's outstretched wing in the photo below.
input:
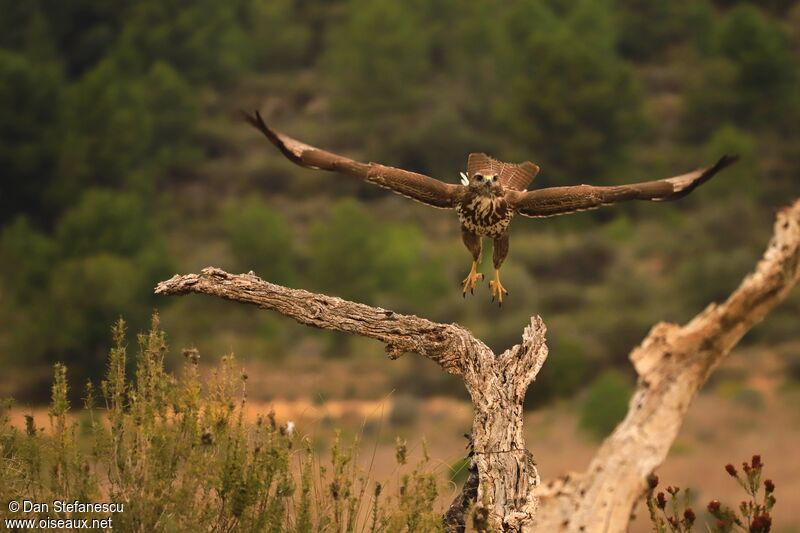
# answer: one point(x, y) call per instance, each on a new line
point(512, 176)
point(418, 187)
point(562, 200)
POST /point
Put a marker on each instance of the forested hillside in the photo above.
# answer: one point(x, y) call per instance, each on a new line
point(124, 160)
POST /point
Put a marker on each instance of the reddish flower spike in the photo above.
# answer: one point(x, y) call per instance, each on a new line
point(661, 500)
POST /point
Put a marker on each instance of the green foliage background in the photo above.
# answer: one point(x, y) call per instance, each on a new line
point(123, 161)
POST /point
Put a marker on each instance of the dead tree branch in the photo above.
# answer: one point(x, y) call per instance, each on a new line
point(672, 363)
point(497, 383)
point(449, 345)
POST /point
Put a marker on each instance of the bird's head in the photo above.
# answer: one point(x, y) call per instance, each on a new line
point(483, 182)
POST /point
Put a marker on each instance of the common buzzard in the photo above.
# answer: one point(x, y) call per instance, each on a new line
point(490, 193)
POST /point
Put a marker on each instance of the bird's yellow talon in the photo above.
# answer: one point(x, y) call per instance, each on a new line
point(471, 280)
point(497, 288)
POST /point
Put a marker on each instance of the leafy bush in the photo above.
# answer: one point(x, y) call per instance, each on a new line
point(754, 75)
point(565, 372)
point(29, 91)
point(356, 257)
point(343, 252)
point(606, 403)
point(280, 39)
point(762, 53)
point(679, 21)
point(105, 221)
point(161, 444)
point(179, 34)
point(260, 240)
point(744, 175)
point(364, 83)
point(575, 74)
point(122, 128)
point(105, 258)
point(27, 256)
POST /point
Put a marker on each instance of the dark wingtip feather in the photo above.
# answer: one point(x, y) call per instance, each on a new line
point(250, 119)
point(258, 123)
point(723, 162)
point(726, 161)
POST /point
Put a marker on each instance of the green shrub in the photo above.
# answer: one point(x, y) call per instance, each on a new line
point(280, 39)
point(27, 257)
point(178, 33)
point(576, 74)
point(606, 403)
point(105, 221)
point(161, 443)
point(260, 240)
point(123, 129)
point(29, 90)
point(753, 74)
point(363, 82)
point(356, 256)
point(348, 228)
point(679, 21)
point(566, 369)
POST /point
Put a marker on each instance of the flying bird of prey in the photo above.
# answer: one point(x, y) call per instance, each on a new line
point(490, 193)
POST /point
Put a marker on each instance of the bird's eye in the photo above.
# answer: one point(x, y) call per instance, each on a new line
point(478, 177)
